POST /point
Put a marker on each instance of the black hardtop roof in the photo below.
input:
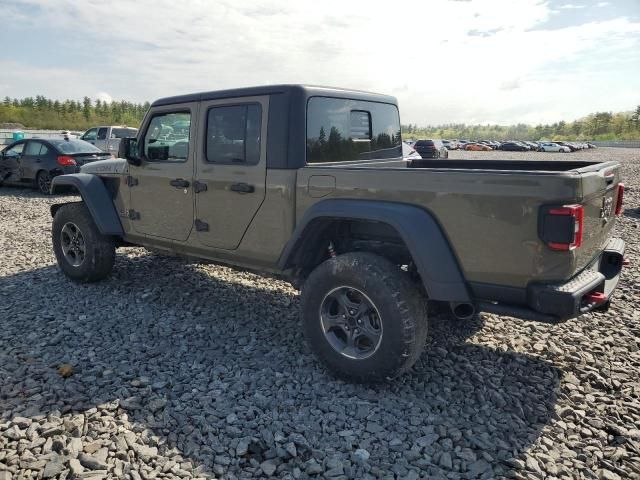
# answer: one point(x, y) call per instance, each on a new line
point(304, 90)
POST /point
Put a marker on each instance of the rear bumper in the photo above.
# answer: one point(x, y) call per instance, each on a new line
point(591, 289)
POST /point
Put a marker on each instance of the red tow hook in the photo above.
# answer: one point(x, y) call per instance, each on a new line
point(595, 297)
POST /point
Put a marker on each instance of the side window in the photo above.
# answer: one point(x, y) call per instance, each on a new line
point(90, 134)
point(102, 133)
point(341, 130)
point(33, 148)
point(233, 134)
point(43, 149)
point(14, 151)
point(167, 137)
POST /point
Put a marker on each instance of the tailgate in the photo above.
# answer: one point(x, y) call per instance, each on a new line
point(599, 196)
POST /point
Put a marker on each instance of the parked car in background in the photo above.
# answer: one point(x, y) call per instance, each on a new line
point(513, 147)
point(431, 149)
point(408, 152)
point(532, 146)
point(107, 138)
point(448, 145)
point(36, 162)
point(477, 147)
point(573, 147)
point(554, 147)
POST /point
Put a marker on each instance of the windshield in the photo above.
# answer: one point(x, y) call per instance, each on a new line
point(74, 146)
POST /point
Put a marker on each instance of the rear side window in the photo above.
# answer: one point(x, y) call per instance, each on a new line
point(341, 130)
point(124, 133)
point(233, 134)
point(33, 148)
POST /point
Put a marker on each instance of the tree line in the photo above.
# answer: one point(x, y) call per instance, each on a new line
point(596, 126)
point(44, 113)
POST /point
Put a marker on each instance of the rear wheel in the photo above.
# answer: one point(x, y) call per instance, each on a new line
point(363, 317)
point(43, 182)
point(82, 252)
point(542, 150)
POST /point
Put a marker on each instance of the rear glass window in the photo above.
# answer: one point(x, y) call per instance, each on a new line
point(424, 143)
point(341, 130)
point(123, 132)
point(74, 146)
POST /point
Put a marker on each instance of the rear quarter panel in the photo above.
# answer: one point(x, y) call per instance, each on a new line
point(490, 218)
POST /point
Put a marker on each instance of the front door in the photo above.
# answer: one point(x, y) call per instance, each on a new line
point(230, 168)
point(90, 136)
point(160, 188)
point(10, 167)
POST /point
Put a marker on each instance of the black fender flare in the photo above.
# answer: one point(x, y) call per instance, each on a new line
point(421, 233)
point(96, 197)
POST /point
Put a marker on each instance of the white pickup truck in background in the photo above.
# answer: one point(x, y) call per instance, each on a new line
point(107, 138)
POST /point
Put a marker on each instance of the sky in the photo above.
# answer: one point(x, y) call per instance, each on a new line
point(447, 61)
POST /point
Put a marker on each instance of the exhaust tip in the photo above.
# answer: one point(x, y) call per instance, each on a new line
point(463, 311)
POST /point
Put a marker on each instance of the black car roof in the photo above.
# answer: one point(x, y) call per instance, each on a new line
point(305, 90)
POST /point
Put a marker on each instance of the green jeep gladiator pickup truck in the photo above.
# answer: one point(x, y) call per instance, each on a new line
point(309, 184)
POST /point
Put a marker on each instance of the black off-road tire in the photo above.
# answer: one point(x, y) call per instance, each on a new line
point(402, 313)
point(99, 249)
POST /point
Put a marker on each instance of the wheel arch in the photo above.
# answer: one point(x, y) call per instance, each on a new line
point(416, 227)
point(96, 197)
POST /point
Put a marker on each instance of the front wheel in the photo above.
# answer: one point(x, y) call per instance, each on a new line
point(363, 317)
point(83, 253)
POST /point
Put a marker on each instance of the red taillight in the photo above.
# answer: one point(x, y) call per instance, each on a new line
point(620, 197)
point(66, 161)
point(595, 297)
point(577, 213)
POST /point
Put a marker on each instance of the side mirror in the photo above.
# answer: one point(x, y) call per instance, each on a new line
point(129, 149)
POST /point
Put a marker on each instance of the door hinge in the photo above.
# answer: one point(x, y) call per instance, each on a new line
point(199, 187)
point(131, 181)
point(133, 215)
point(201, 226)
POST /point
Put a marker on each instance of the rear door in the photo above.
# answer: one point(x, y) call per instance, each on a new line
point(31, 161)
point(230, 168)
point(102, 139)
point(161, 191)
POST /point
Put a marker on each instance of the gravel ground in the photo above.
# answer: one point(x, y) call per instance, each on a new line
point(171, 369)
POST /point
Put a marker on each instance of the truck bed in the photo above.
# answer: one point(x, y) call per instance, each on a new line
point(507, 165)
point(488, 209)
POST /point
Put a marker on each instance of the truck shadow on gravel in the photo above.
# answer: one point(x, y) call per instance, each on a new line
point(209, 366)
